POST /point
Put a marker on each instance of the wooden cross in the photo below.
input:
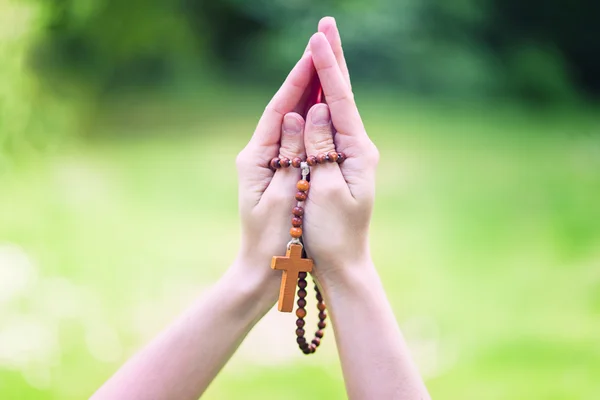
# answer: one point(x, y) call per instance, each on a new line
point(291, 265)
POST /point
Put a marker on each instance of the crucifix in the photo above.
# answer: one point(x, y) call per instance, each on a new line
point(291, 264)
point(294, 267)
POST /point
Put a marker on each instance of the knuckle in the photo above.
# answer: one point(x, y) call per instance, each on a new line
point(346, 95)
point(323, 141)
point(242, 161)
point(374, 155)
point(291, 150)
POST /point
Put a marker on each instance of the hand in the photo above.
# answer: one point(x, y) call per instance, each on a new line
point(340, 200)
point(266, 198)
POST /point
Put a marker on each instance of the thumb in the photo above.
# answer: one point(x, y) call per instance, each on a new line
point(320, 149)
point(318, 135)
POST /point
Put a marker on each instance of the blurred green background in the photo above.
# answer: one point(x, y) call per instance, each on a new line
point(115, 115)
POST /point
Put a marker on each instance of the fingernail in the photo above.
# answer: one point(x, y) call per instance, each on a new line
point(291, 125)
point(320, 115)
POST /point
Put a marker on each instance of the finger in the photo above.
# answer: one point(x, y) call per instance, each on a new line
point(328, 26)
point(318, 140)
point(292, 140)
point(287, 97)
point(338, 94)
point(282, 186)
point(252, 162)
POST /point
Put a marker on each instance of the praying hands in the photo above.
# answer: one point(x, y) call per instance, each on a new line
point(332, 219)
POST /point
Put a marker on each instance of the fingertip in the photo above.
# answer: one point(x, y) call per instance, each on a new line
point(317, 40)
point(325, 23)
point(292, 123)
point(319, 114)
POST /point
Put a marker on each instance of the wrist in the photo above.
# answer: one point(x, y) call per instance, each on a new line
point(348, 278)
point(255, 283)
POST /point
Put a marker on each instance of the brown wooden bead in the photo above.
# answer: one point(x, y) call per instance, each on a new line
point(302, 275)
point(322, 315)
point(333, 156)
point(301, 196)
point(296, 222)
point(322, 324)
point(321, 158)
point(321, 306)
point(304, 346)
point(299, 332)
point(274, 164)
point(302, 284)
point(296, 232)
point(296, 161)
point(311, 160)
point(306, 350)
point(303, 185)
point(300, 340)
point(319, 296)
point(285, 162)
point(341, 157)
point(319, 334)
point(298, 211)
point(301, 303)
point(316, 342)
point(302, 293)
point(300, 323)
point(301, 313)
point(312, 348)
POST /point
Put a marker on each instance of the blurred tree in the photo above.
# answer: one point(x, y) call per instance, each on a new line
point(27, 112)
point(539, 51)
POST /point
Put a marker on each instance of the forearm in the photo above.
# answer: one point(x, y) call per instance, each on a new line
point(375, 359)
point(182, 361)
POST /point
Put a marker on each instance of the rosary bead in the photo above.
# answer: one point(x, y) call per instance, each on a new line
point(274, 164)
point(322, 315)
point(285, 162)
point(302, 293)
point(319, 297)
point(300, 323)
point(299, 332)
point(333, 156)
point(301, 313)
point(316, 342)
point(301, 340)
point(301, 196)
point(311, 160)
point(321, 158)
point(322, 324)
point(304, 346)
point(298, 211)
point(341, 157)
point(306, 350)
point(303, 185)
point(302, 284)
point(302, 275)
point(296, 162)
point(296, 222)
point(296, 232)
point(312, 348)
point(301, 303)
point(321, 306)
point(319, 334)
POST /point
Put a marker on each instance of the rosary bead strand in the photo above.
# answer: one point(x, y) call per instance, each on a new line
point(303, 186)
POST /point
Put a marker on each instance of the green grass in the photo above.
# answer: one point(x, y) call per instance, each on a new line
point(485, 233)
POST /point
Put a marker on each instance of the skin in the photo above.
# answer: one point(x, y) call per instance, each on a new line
point(182, 361)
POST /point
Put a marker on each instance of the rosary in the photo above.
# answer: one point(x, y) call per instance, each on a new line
point(293, 265)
